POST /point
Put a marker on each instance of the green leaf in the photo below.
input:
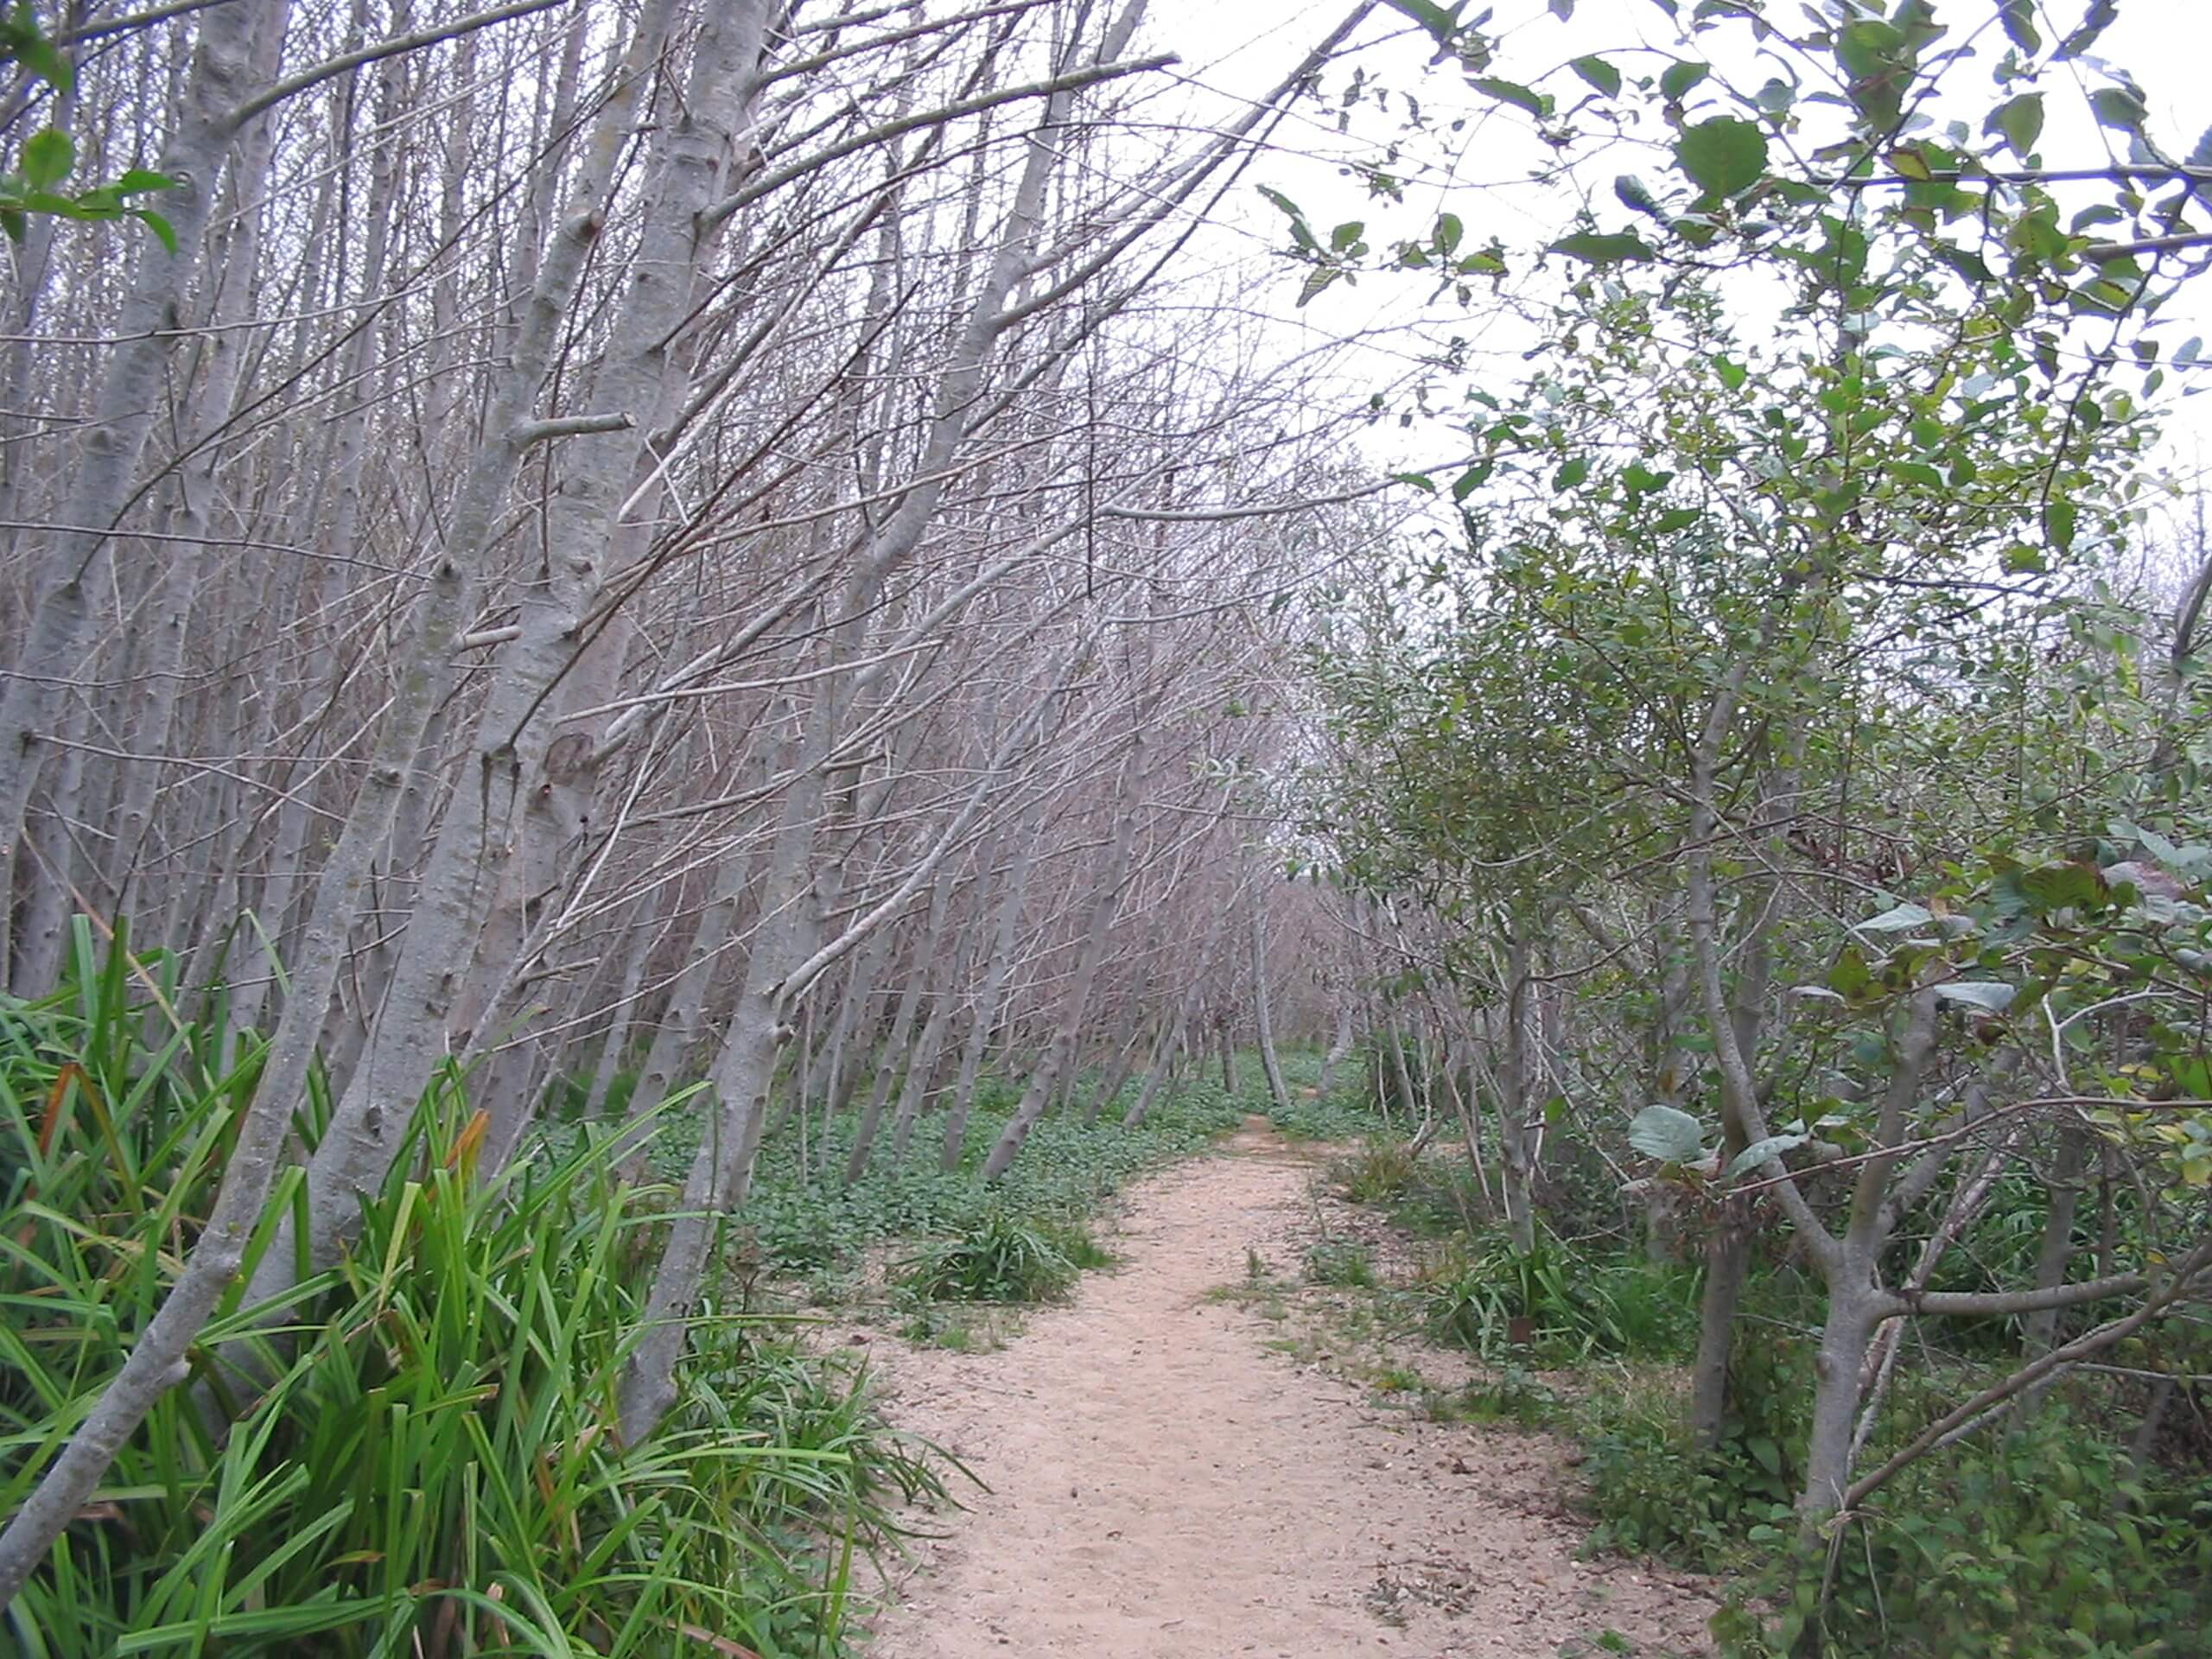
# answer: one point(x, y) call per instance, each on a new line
point(2019, 120)
point(1448, 232)
point(1678, 77)
point(1870, 48)
point(163, 231)
point(1722, 157)
point(2019, 17)
point(1988, 995)
point(47, 158)
point(1877, 60)
point(1316, 280)
point(1896, 919)
point(1512, 92)
point(1674, 520)
point(2119, 106)
point(1632, 192)
point(1571, 473)
point(1850, 977)
point(138, 181)
point(2058, 522)
point(1732, 375)
point(1599, 74)
point(1345, 235)
point(1600, 249)
point(2065, 886)
point(1968, 263)
point(1300, 231)
point(28, 46)
point(2102, 14)
point(1668, 1134)
point(1433, 17)
point(1471, 480)
point(1761, 1152)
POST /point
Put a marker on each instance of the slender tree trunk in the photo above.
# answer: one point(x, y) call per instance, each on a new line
point(894, 1048)
point(72, 573)
point(1096, 925)
point(1116, 1079)
point(921, 1072)
point(1339, 1052)
point(993, 986)
point(2067, 1171)
point(1156, 1074)
point(1262, 1016)
point(1727, 1264)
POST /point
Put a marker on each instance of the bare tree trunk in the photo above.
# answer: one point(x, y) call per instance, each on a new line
point(985, 1011)
point(1156, 1073)
point(1116, 1079)
point(1096, 925)
point(1339, 1052)
point(74, 571)
point(894, 1048)
point(2041, 1329)
point(1261, 1016)
point(921, 1072)
point(615, 1045)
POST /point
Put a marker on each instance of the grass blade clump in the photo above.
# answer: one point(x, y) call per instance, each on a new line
point(415, 1453)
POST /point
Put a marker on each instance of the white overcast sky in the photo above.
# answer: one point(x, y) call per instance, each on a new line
point(1233, 49)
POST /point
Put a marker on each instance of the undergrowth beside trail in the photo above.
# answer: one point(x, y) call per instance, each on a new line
point(803, 1218)
point(417, 1456)
point(2039, 1537)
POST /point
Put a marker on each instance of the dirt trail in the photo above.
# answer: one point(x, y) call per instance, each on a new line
point(1164, 1487)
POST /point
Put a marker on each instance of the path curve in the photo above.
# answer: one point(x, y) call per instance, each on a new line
point(1164, 1487)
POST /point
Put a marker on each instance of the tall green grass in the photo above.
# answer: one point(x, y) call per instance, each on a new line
point(416, 1454)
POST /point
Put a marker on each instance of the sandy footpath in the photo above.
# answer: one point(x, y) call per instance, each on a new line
point(1162, 1486)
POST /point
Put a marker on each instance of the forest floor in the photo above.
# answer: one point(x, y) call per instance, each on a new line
point(1180, 1463)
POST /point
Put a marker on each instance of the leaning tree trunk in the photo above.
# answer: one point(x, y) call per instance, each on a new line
point(1262, 1015)
point(902, 1024)
point(995, 973)
point(73, 572)
point(1097, 923)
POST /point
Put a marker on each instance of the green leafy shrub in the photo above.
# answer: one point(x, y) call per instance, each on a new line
point(427, 1462)
point(1654, 1491)
point(803, 1218)
point(1513, 1396)
point(1348, 1111)
point(2037, 1543)
point(1078, 1244)
point(1343, 1262)
point(1000, 1258)
point(1553, 1301)
point(1380, 1170)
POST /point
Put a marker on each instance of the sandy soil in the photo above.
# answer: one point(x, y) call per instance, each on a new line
point(1163, 1487)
